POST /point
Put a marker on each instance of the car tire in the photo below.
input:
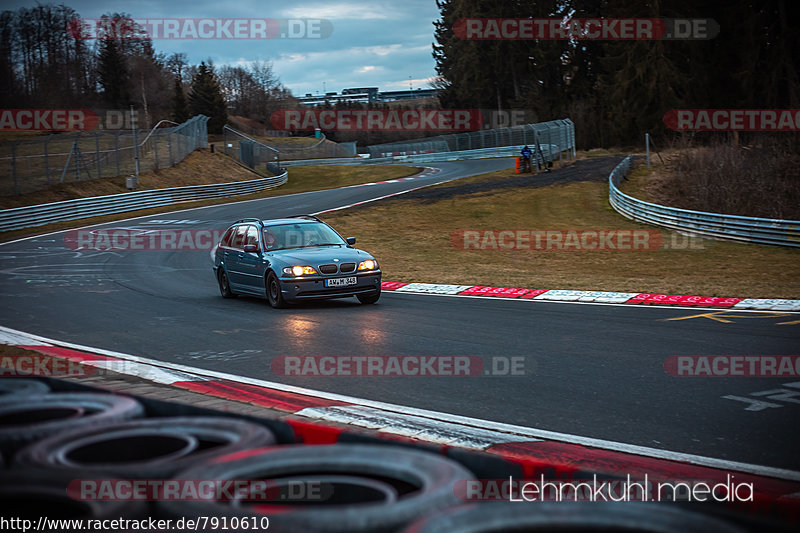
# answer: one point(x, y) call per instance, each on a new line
point(224, 285)
point(147, 448)
point(29, 494)
point(274, 295)
point(370, 298)
point(22, 386)
point(38, 416)
point(424, 482)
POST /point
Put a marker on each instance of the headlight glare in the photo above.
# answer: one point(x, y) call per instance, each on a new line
point(299, 271)
point(369, 264)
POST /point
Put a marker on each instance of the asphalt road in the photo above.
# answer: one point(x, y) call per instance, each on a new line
point(590, 370)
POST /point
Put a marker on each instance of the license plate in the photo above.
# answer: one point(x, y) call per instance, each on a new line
point(340, 282)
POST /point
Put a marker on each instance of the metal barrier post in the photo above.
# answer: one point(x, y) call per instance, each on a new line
point(14, 166)
point(47, 157)
point(155, 147)
point(97, 155)
point(116, 150)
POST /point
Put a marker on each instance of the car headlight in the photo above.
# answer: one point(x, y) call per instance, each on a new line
point(369, 264)
point(299, 271)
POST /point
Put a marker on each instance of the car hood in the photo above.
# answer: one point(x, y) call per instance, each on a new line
point(320, 255)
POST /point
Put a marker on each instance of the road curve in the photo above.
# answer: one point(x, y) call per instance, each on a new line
point(590, 370)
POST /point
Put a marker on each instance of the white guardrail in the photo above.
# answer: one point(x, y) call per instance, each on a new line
point(38, 215)
point(698, 223)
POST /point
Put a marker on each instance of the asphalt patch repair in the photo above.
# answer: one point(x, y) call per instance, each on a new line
point(594, 169)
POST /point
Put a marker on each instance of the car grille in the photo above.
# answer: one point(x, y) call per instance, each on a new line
point(344, 291)
point(347, 267)
point(328, 269)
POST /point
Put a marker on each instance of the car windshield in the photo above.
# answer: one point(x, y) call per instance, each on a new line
point(300, 235)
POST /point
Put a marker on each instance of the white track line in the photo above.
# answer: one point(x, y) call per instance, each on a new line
point(467, 423)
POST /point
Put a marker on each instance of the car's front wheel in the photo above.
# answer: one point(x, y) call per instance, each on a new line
point(224, 285)
point(370, 298)
point(274, 295)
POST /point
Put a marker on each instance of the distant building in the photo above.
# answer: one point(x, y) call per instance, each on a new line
point(365, 95)
point(371, 92)
point(410, 94)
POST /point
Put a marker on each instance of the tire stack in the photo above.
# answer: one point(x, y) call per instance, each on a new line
point(31, 413)
point(54, 436)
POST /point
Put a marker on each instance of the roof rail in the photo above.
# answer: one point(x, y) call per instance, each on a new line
point(260, 222)
point(305, 216)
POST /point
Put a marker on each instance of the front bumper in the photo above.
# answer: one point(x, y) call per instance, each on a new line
point(313, 287)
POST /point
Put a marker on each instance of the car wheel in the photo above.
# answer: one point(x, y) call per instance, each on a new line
point(369, 298)
point(274, 295)
point(224, 285)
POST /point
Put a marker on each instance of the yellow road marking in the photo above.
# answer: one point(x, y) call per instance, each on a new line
point(725, 316)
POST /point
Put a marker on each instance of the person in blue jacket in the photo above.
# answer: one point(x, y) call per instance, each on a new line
point(526, 159)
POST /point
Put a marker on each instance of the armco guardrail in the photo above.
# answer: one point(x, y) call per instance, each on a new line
point(482, 153)
point(560, 132)
point(38, 215)
point(727, 227)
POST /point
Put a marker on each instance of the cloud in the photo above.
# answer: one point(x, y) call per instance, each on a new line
point(344, 10)
point(294, 58)
point(334, 56)
point(368, 68)
point(375, 43)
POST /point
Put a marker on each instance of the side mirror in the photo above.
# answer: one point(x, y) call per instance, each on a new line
point(250, 248)
point(351, 240)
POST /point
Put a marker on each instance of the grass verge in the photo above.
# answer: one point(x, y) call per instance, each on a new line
point(411, 237)
point(198, 168)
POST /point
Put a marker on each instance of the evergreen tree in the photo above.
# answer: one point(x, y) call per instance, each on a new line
point(113, 74)
point(206, 98)
point(180, 107)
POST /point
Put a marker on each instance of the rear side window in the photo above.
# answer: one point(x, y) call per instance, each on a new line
point(226, 238)
point(239, 237)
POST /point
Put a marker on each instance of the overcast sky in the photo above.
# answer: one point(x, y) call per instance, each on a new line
point(374, 43)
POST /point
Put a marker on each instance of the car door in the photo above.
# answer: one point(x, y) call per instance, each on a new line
point(252, 264)
point(232, 255)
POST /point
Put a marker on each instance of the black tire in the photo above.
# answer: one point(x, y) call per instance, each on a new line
point(423, 480)
point(323, 489)
point(41, 415)
point(274, 295)
point(30, 494)
point(369, 298)
point(151, 448)
point(22, 386)
point(536, 516)
point(224, 284)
